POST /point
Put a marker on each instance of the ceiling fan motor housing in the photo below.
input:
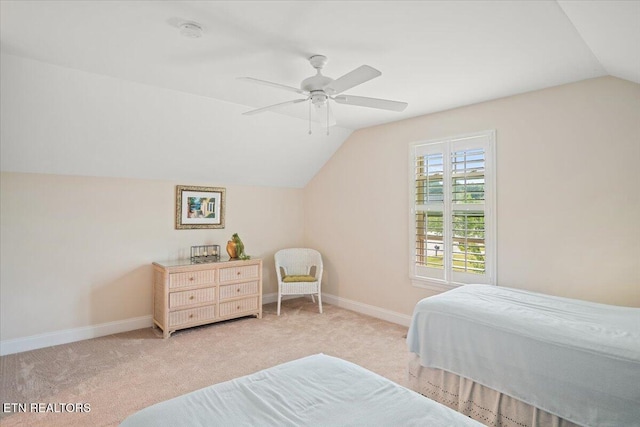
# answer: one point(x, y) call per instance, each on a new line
point(315, 83)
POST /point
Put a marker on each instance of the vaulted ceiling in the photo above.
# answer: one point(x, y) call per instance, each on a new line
point(434, 55)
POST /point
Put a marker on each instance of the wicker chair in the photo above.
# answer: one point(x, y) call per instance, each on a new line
point(299, 272)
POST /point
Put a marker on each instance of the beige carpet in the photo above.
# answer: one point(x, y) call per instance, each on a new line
point(123, 373)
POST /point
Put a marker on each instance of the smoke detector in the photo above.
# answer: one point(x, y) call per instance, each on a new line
point(192, 30)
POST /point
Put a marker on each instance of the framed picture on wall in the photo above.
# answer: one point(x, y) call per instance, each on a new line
point(199, 207)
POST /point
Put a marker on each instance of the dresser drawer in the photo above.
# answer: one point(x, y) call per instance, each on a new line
point(245, 272)
point(197, 296)
point(200, 314)
point(191, 278)
point(238, 290)
point(238, 306)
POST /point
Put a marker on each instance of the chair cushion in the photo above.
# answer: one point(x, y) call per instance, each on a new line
point(299, 278)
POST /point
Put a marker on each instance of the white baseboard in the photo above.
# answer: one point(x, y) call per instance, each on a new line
point(273, 297)
point(34, 342)
point(358, 307)
point(269, 298)
point(369, 310)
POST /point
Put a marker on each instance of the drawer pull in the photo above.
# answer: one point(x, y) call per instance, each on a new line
point(191, 297)
point(238, 290)
point(191, 279)
point(238, 308)
point(238, 273)
point(190, 316)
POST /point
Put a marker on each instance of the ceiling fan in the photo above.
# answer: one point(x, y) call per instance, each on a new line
point(320, 89)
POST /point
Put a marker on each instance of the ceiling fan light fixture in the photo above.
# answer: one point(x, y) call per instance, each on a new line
point(191, 30)
point(318, 98)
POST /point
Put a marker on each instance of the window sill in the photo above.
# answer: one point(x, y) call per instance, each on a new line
point(433, 285)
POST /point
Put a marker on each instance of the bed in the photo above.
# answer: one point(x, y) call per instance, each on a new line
point(509, 357)
point(317, 390)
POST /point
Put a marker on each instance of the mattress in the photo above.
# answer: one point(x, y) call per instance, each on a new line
point(317, 390)
point(574, 359)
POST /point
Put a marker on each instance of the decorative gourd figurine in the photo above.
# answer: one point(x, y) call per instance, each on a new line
point(232, 250)
point(235, 248)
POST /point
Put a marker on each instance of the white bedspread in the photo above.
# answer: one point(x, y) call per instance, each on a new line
point(317, 390)
point(575, 359)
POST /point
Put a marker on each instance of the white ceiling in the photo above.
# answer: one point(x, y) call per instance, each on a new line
point(435, 55)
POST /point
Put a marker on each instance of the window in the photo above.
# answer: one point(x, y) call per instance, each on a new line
point(452, 208)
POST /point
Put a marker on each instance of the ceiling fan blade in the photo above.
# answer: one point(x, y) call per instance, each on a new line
point(274, 107)
point(277, 85)
point(362, 74)
point(363, 101)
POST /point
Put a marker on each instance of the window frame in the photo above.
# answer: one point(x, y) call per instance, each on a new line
point(449, 279)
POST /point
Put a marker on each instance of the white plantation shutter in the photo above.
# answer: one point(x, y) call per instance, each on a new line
point(453, 210)
point(429, 197)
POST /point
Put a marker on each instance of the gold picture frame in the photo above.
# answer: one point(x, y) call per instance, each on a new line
point(199, 207)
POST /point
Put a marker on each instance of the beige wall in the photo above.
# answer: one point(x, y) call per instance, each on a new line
point(568, 197)
point(77, 251)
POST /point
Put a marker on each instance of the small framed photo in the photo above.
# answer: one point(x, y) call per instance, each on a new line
point(199, 207)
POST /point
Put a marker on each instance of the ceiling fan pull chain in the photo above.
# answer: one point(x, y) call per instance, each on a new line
point(327, 117)
point(309, 117)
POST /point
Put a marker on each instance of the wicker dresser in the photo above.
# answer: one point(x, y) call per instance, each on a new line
point(187, 294)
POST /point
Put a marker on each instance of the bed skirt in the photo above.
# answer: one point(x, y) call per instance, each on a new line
point(476, 401)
